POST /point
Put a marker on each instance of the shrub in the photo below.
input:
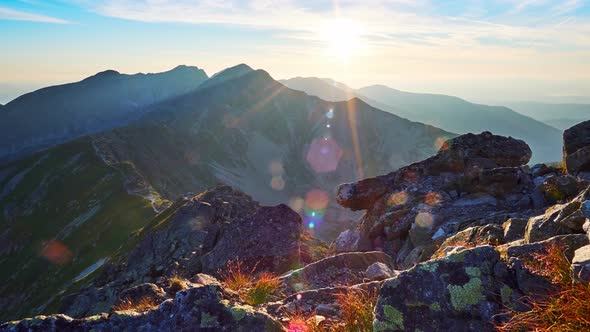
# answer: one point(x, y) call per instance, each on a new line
point(141, 304)
point(567, 308)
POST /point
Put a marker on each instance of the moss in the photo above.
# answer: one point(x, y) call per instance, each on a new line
point(435, 306)
point(430, 267)
point(473, 271)
point(465, 295)
point(506, 292)
point(394, 320)
point(239, 311)
point(458, 257)
point(208, 321)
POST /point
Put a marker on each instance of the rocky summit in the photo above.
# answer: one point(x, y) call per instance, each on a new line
point(445, 244)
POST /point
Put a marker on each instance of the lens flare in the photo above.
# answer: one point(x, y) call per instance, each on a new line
point(397, 198)
point(330, 113)
point(433, 198)
point(324, 155)
point(424, 220)
point(56, 252)
point(277, 183)
point(316, 199)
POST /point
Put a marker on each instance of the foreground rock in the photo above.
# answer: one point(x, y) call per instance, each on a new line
point(462, 292)
point(203, 308)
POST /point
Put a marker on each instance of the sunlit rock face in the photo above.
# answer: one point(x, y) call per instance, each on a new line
point(473, 180)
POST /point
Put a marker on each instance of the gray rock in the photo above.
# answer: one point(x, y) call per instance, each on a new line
point(581, 263)
point(456, 293)
point(514, 229)
point(379, 271)
point(347, 241)
point(200, 308)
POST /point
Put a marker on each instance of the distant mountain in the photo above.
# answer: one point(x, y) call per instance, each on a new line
point(227, 74)
point(57, 114)
point(446, 112)
point(67, 209)
point(560, 116)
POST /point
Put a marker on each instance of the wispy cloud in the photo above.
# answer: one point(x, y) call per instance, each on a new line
point(11, 14)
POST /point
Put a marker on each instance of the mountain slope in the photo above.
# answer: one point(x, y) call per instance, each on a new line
point(460, 116)
point(269, 141)
point(103, 101)
point(561, 116)
point(447, 112)
point(63, 211)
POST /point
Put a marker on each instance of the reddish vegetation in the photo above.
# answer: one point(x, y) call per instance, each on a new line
point(253, 289)
point(567, 308)
point(144, 303)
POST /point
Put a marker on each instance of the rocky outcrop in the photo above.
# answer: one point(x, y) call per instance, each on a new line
point(269, 239)
point(196, 234)
point(576, 148)
point(473, 180)
point(559, 219)
point(462, 292)
point(202, 308)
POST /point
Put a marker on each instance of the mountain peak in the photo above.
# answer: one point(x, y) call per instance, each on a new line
point(228, 74)
point(103, 74)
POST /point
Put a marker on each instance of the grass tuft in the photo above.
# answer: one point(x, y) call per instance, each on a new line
point(145, 303)
point(357, 309)
point(254, 289)
point(567, 308)
point(265, 288)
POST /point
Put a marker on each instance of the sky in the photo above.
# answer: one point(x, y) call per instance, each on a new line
point(485, 51)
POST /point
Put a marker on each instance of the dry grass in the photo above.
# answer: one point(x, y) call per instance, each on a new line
point(145, 303)
point(176, 284)
point(236, 276)
point(357, 308)
point(254, 289)
point(567, 308)
point(265, 288)
point(356, 311)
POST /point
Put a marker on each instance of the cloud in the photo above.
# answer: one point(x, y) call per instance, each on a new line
point(10, 14)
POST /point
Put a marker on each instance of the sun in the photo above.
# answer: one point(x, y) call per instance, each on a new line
point(343, 38)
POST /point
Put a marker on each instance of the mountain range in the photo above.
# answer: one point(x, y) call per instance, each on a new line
point(57, 114)
point(558, 115)
point(148, 139)
point(447, 112)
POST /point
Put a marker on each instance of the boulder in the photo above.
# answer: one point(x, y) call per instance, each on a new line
point(576, 148)
point(347, 241)
point(200, 308)
point(483, 151)
point(479, 235)
point(341, 269)
point(581, 263)
point(557, 188)
point(461, 292)
point(514, 229)
point(378, 271)
point(270, 239)
point(362, 194)
point(559, 219)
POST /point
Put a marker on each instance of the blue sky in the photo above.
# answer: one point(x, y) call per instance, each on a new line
point(480, 50)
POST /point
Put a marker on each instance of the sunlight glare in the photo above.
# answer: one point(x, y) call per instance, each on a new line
point(343, 38)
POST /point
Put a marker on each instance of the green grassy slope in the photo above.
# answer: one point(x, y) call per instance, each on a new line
point(67, 195)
